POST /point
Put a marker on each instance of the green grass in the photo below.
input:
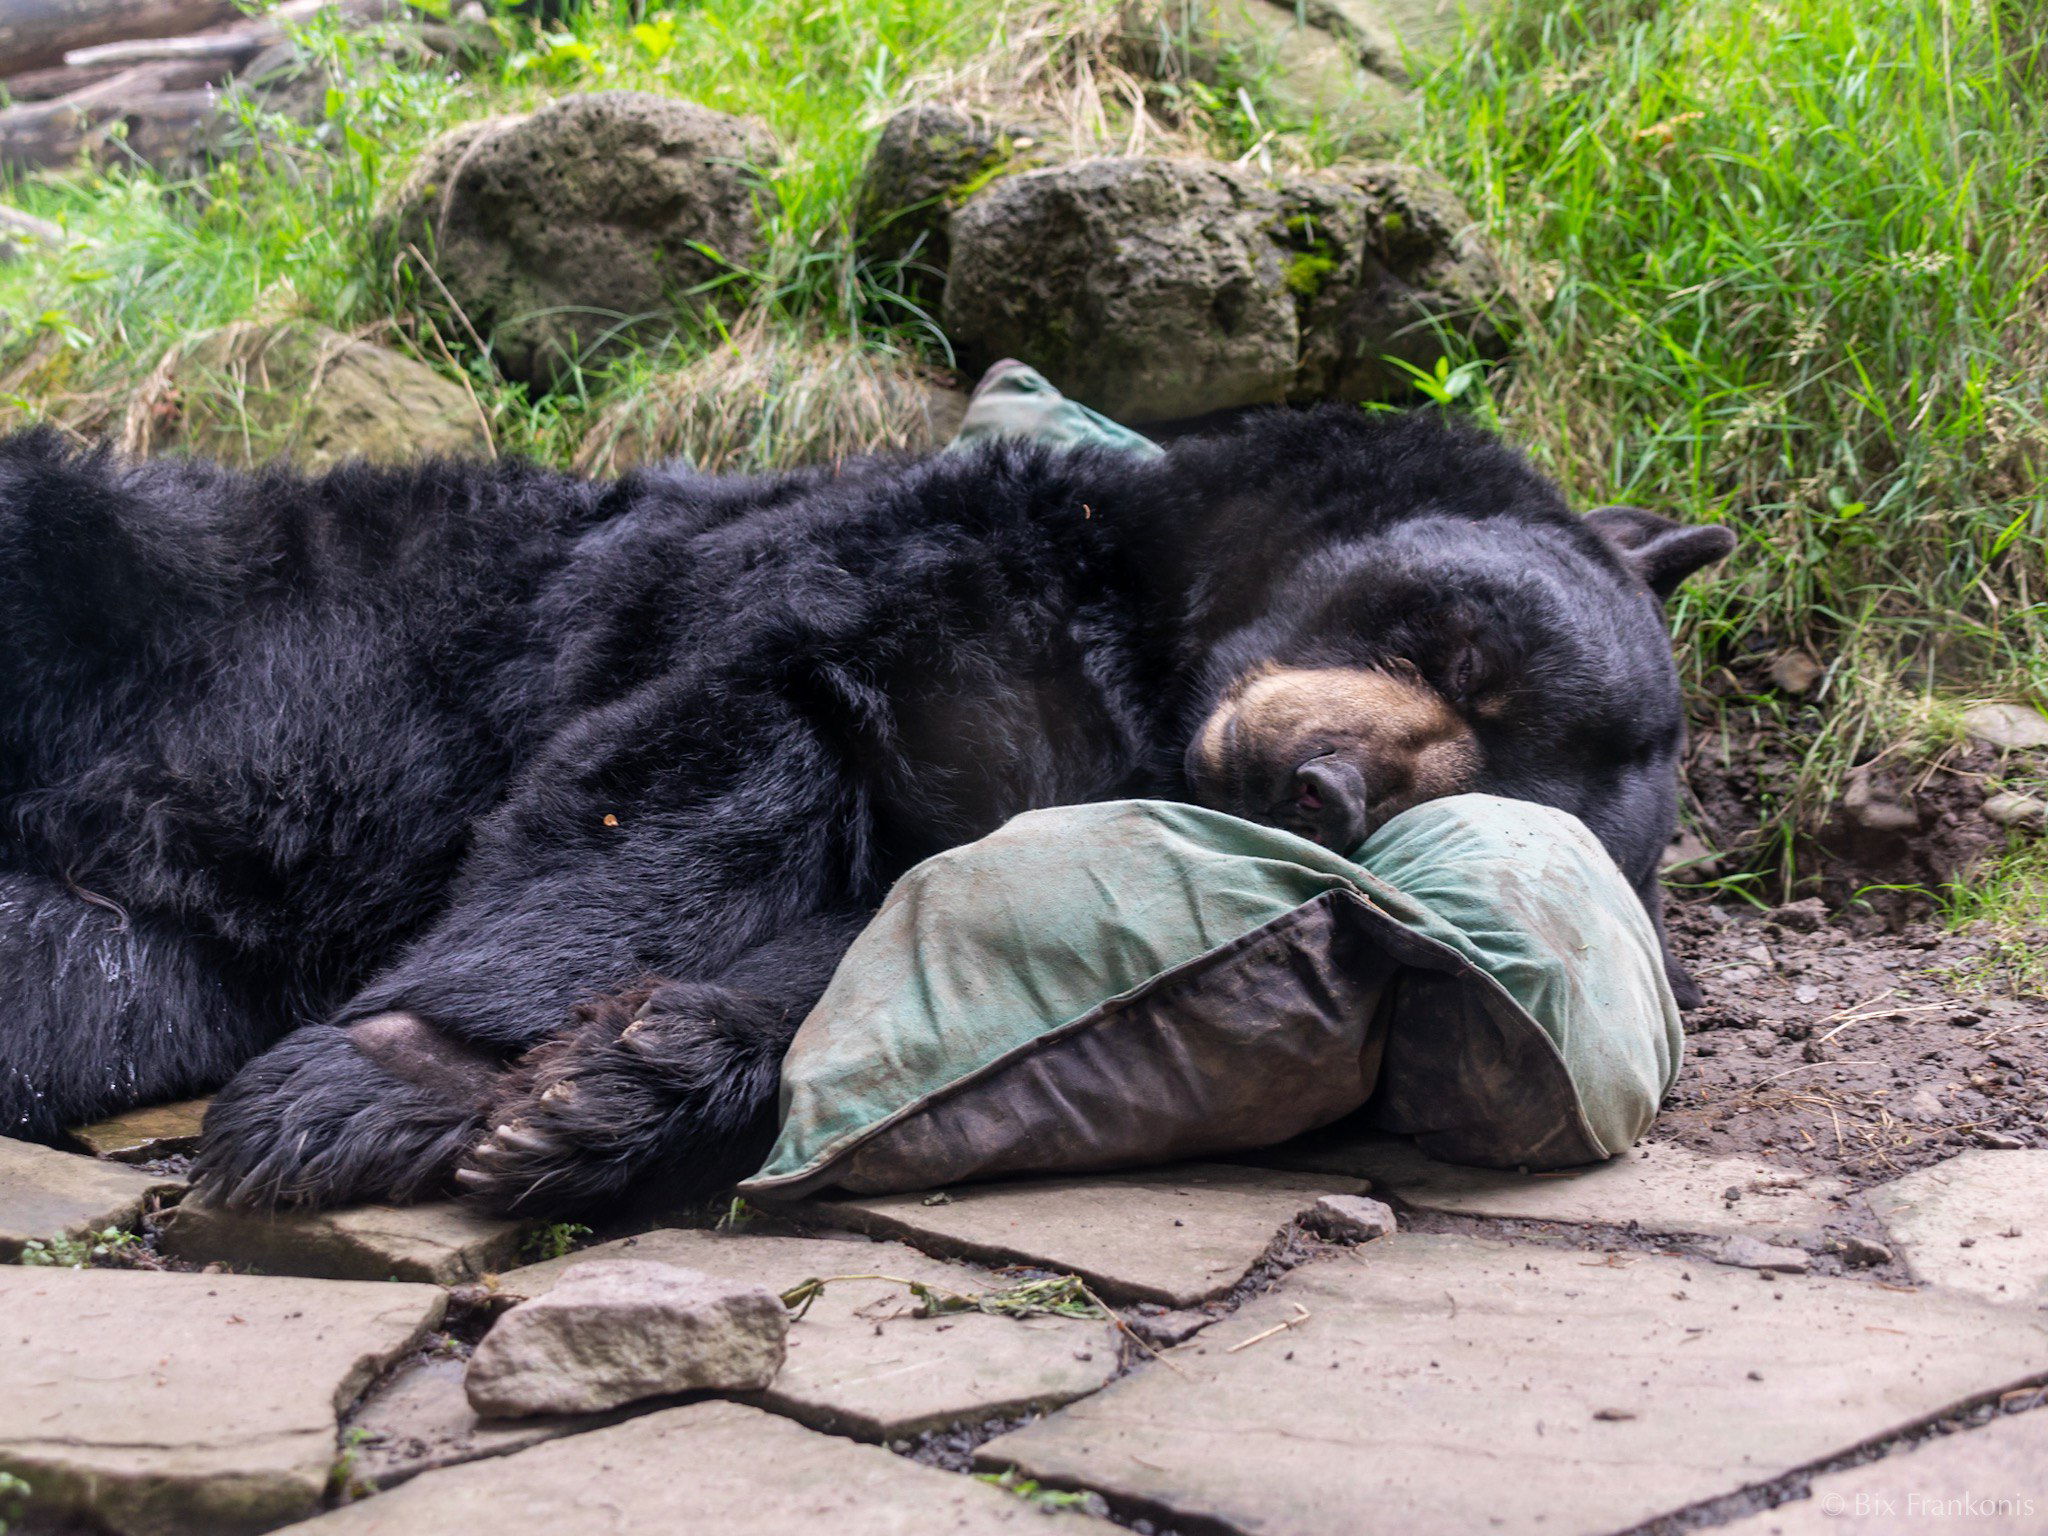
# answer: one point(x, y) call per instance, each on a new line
point(1782, 265)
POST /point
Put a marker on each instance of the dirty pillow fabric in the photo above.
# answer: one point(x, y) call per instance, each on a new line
point(1116, 984)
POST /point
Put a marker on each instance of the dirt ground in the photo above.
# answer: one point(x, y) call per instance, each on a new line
point(1865, 1054)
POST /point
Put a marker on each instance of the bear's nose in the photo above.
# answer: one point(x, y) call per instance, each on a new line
point(1329, 791)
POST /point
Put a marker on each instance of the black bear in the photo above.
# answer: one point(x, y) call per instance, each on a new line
point(511, 822)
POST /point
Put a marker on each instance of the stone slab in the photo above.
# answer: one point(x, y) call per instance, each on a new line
point(1447, 1384)
point(1993, 1479)
point(159, 1403)
point(1181, 1235)
point(47, 1194)
point(441, 1244)
point(162, 1130)
point(858, 1363)
point(1978, 1222)
point(419, 1419)
point(704, 1468)
point(1662, 1187)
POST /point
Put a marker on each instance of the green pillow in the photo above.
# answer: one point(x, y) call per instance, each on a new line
point(1100, 986)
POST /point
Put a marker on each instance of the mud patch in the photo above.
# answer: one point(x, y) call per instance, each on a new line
point(1864, 1054)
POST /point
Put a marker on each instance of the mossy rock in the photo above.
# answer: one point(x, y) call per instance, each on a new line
point(928, 161)
point(1158, 289)
point(585, 227)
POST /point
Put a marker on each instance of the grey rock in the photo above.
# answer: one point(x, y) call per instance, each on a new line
point(2024, 813)
point(1597, 1398)
point(2010, 727)
point(1990, 1475)
point(1874, 809)
point(1351, 1218)
point(297, 390)
point(571, 232)
point(1995, 1202)
point(156, 1404)
point(1808, 915)
point(1154, 289)
point(1659, 1186)
point(441, 1243)
point(1179, 1236)
point(1688, 860)
point(1752, 1253)
point(1796, 673)
point(616, 1331)
point(706, 1467)
point(46, 1194)
point(1307, 69)
point(162, 1130)
point(860, 1362)
point(926, 163)
point(1862, 1252)
point(1148, 289)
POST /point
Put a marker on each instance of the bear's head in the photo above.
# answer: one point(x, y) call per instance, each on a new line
point(1423, 616)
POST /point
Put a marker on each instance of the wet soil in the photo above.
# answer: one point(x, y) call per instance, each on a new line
point(1866, 1054)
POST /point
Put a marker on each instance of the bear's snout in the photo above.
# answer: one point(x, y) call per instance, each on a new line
point(1330, 753)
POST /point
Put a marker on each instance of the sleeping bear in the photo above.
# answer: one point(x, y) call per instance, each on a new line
point(480, 828)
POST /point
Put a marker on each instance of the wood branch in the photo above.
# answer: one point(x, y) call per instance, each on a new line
point(49, 84)
point(232, 46)
point(37, 33)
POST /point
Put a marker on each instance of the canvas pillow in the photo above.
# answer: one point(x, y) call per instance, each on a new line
point(1137, 981)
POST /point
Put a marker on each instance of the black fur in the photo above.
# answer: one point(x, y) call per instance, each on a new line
point(611, 774)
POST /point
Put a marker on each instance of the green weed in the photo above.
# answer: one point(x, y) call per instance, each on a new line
point(77, 1252)
point(554, 1241)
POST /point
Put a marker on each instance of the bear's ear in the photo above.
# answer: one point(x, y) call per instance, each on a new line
point(1660, 551)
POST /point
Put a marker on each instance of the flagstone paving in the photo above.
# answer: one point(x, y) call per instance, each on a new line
point(46, 1194)
point(1180, 1235)
point(1993, 1479)
point(706, 1467)
point(162, 1130)
point(419, 1419)
point(1437, 1383)
point(188, 1402)
point(442, 1243)
point(858, 1362)
point(1978, 1222)
point(1661, 1187)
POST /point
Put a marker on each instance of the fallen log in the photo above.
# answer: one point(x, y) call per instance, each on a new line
point(19, 228)
point(238, 43)
point(49, 84)
point(50, 135)
point(37, 33)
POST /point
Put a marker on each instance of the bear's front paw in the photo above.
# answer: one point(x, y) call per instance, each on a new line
point(314, 1121)
point(674, 1098)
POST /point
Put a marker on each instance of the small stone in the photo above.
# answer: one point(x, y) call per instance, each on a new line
point(620, 1330)
point(1751, 1253)
point(442, 1243)
point(418, 1418)
point(46, 1195)
point(1998, 1140)
point(1808, 915)
point(1806, 995)
point(1350, 1218)
point(1164, 1327)
point(1874, 809)
point(1925, 1106)
point(2023, 813)
point(1796, 673)
point(141, 1135)
point(2010, 727)
point(1688, 860)
point(1862, 1252)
